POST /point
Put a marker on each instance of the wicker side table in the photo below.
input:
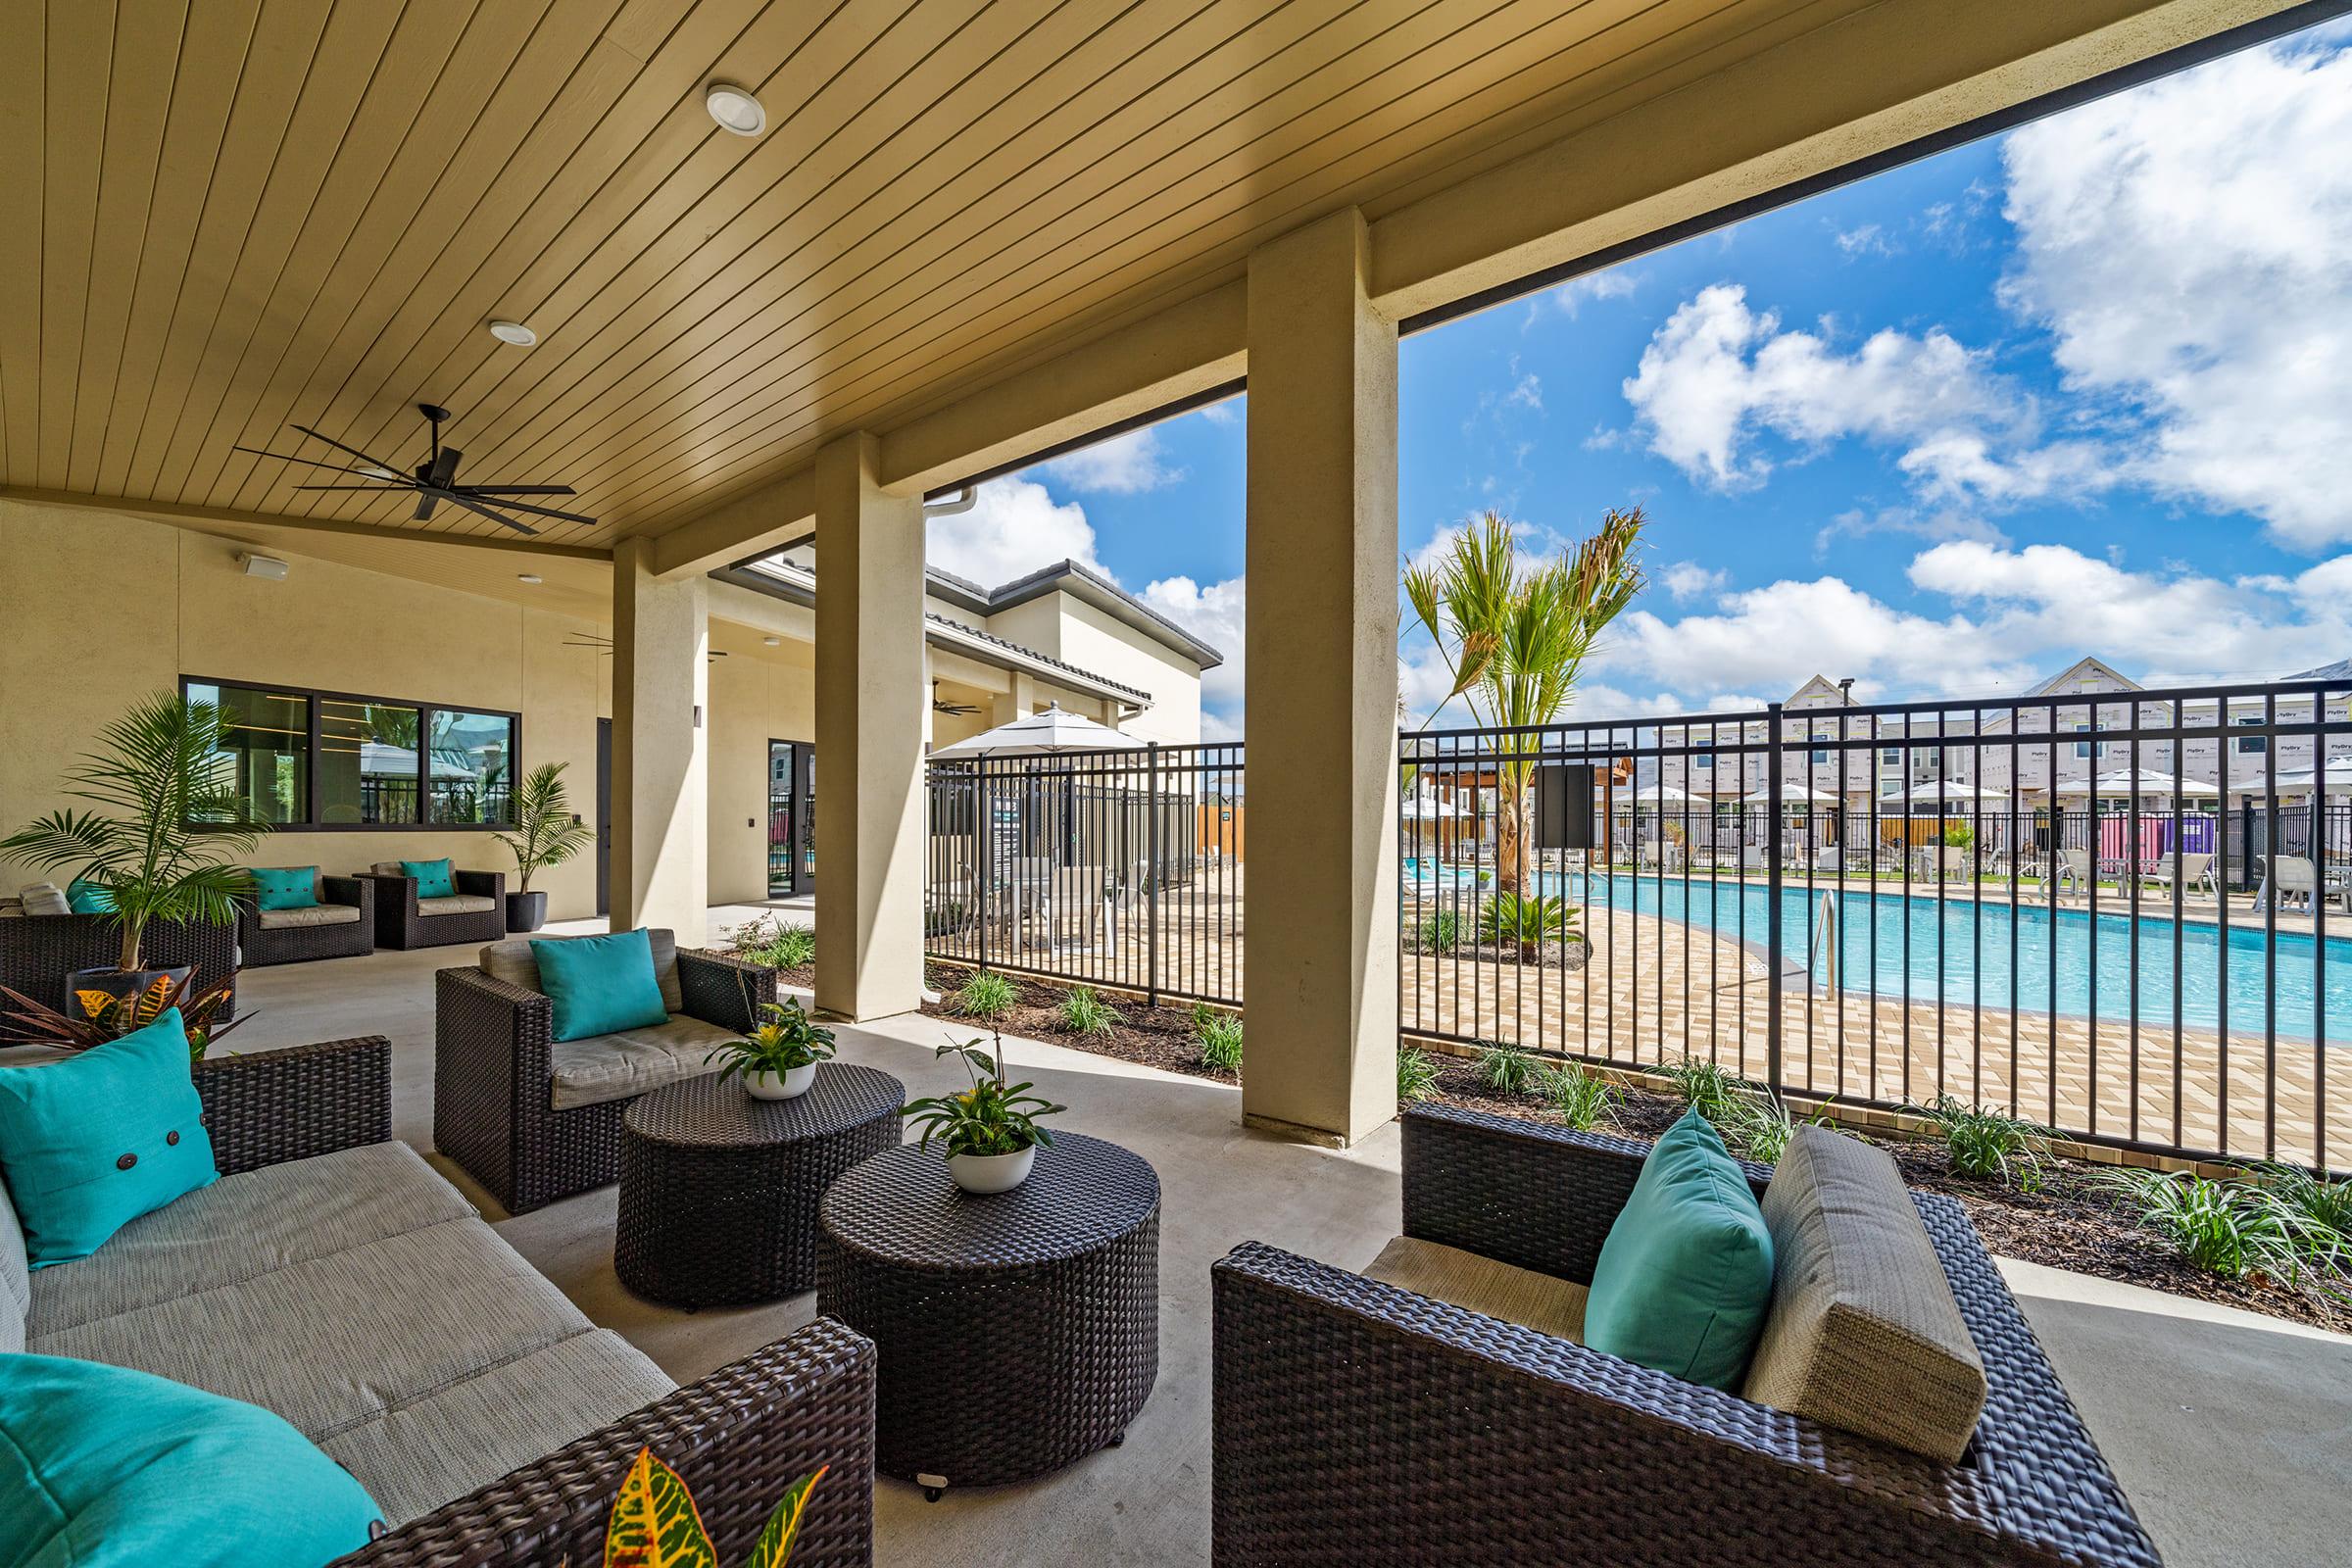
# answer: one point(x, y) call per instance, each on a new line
point(719, 1191)
point(1054, 1287)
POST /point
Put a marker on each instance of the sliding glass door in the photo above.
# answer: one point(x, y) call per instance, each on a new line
point(791, 818)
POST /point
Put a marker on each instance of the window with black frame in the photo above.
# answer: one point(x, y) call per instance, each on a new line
point(324, 759)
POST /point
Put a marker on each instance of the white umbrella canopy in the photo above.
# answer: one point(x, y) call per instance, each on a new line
point(1421, 805)
point(1657, 790)
point(1046, 734)
point(2147, 781)
point(1792, 794)
point(2302, 780)
point(1940, 790)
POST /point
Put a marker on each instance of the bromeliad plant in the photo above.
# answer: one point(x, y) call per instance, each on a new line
point(788, 1039)
point(654, 1523)
point(992, 1117)
point(169, 816)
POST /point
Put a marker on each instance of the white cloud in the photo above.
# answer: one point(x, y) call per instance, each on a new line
point(2190, 246)
point(1610, 283)
point(1121, 465)
point(1217, 615)
point(1718, 375)
point(1924, 524)
point(1688, 579)
point(1014, 528)
point(1865, 239)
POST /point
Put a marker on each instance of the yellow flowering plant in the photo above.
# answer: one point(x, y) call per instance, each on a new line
point(992, 1117)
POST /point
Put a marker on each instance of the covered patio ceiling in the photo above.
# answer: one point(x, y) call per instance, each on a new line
point(220, 217)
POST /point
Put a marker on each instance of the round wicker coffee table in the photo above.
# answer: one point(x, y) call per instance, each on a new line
point(719, 1191)
point(1018, 1331)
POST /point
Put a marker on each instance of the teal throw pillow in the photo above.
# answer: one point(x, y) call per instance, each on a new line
point(91, 1142)
point(435, 878)
point(1685, 1278)
point(601, 984)
point(104, 1467)
point(291, 887)
point(88, 898)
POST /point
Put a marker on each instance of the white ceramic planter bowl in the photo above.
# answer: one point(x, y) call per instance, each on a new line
point(791, 1083)
point(990, 1173)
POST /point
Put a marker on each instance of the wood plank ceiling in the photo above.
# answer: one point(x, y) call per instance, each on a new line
point(221, 217)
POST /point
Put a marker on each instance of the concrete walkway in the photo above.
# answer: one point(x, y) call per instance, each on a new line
point(2233, 1433)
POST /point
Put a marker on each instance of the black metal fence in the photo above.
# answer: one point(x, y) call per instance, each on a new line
point(1117, 869)
point(2121, 915)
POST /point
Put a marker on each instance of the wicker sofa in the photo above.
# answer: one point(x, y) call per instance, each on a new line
point(38, 951)
point(341, 924)
point(1360, 1422)
point(533, 1118)
point(475, 913)
point(333, 1277)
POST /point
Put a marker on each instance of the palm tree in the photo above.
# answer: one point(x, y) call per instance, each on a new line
point(546, 833)
point(170, 783)
point(1515, 637)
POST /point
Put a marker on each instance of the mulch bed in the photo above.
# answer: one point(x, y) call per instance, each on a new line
point(2068, 1224)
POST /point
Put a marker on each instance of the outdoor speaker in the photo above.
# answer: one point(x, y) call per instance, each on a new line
point(1563, 806)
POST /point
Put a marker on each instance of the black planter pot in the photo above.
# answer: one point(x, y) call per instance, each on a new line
point(117, 983)
point(526, 911)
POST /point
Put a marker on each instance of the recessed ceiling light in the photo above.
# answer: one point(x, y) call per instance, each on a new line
point(529, 577)
point(735, 109)
point(515, 332)
point(773, 642)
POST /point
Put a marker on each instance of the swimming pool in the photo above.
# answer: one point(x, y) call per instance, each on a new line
point(1954, 942)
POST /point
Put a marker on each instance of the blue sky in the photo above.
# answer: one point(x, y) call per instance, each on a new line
point(2083, 388)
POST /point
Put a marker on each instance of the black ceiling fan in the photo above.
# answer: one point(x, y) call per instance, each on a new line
point(434, 480)
point(956, 708)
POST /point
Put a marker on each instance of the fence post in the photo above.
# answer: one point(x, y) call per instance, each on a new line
point(1772, 904)
point(983, 828)
point(1151, 875)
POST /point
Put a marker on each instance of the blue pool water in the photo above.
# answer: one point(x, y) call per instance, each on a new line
point(1954, 944)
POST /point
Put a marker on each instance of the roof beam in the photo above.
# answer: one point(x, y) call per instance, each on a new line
point(746, 525)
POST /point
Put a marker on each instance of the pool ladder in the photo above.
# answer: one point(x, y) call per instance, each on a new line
point(1826, 928)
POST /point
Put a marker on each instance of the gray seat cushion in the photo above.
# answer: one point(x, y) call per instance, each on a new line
point(512, 961)
point(429, 1451)
point(457, 903)
point(1864, 1334)
point(623, 1065)
point(313, 914)
point(16, 1276)
point(247, 1225)
point(1520, 1296)
point(335, 1342)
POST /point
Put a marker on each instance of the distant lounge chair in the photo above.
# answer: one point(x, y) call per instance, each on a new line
point(2195, 872)
point(2285, 877)
point(2073, 867)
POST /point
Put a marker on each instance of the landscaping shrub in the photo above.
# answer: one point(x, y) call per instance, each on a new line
point(1763, 1124)
point(1985, 1146)
point(986, 995)
point(1437, 932)
point(1511, 920)
point(1577, 1093)
point(772, 942)
point(1506, 1069)
point(1085, 1013)
point(2230, 1227)
point(1219, 1036)
point(1416, 1074)
point(1706, 1087)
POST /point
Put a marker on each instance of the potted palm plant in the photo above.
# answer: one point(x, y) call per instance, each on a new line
point(169, 815)
point(546, 834)
point(778, 1059)
point(992, 1129)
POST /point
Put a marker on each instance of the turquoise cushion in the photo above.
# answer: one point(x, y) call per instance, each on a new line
point(292, 887)
point(1685, 1277)
point(102, 1468)
point(600, 984)
point(91, 1142)
point(435, 878)
point(88, 898)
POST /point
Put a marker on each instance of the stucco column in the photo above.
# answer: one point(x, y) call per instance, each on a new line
point(870, 707)
point(661, 747)
point(1018, 702)
point(1319, 947)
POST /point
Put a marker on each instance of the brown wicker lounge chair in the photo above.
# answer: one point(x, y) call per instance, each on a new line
point(340, 925)
point(534, 1119)
point(38, 951)
point(475, 913)
point(1360, 1422)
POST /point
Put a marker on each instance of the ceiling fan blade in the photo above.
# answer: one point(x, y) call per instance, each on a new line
point(517, 506)
point(445, 468)
point(331, 468)
point(426, 500)
point(517, 489)
point(380, 487)
point(471, 504)
point(376, 462)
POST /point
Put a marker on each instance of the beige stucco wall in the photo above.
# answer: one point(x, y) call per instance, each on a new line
point(1077, 633)
point(98, 609)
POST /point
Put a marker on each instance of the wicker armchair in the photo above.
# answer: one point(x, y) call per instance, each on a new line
point(739, 1436)
point(403, 922)
point(38, 951)
point(264, 941)
point(493, 1110)
point(1359, 1423)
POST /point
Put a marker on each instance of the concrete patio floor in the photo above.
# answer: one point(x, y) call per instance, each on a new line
point(2232, 1432)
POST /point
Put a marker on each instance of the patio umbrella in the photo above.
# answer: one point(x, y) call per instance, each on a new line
point(1792, 794)
point(1422, 807)
point(1046, 734)
point(1946, 791)
point(2149, 781)
point(2300, 781)
point(1657, 790)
